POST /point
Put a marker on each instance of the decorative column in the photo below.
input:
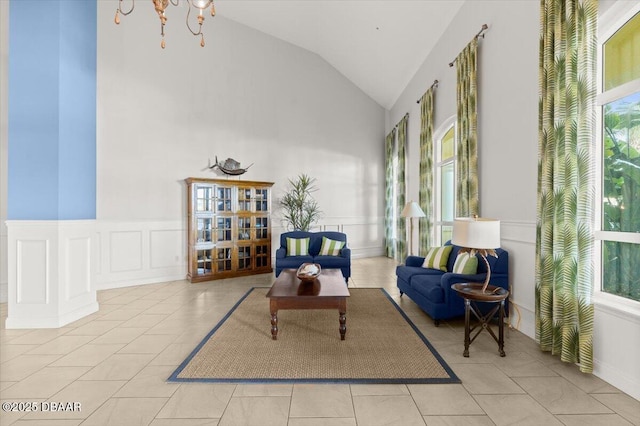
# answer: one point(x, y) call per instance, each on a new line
point(52, 162)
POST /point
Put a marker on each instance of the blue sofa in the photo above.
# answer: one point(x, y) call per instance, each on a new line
point(342, 262)
point(431, 289)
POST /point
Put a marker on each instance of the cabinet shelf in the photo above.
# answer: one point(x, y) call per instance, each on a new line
point(229, 228)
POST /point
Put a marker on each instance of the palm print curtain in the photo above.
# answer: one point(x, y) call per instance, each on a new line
point(389, 223)
point(426, 170)
point(564, 233)
point(401, 253)
point(467, 132)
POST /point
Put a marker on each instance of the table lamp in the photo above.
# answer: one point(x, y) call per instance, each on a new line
point(411, 210)
point(477, 235)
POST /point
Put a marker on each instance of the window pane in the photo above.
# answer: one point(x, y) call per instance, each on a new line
point(446, 193)
point(621, 165)
point(447, 149)
point(447, 233)
point(620, 55)
point(620, 272)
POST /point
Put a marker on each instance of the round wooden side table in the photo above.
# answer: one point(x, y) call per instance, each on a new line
point(472, 293)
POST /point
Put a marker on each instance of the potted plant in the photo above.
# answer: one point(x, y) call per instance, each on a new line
point(301, 211)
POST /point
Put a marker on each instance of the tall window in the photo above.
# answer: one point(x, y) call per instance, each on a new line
point(445, 184)
point(619, 145)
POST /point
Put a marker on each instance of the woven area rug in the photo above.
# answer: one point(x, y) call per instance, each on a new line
point(381, 346)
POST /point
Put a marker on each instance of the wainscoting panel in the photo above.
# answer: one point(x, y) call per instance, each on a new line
point(50, 272)
point(125, 250)
point(78, 267)
point(140, 252)
point(519, 239)
point(33, 275)
point(4, 267)
point(167, 248)
point(135, 253)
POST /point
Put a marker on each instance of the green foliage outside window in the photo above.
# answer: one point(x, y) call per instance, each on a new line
point(621, 196)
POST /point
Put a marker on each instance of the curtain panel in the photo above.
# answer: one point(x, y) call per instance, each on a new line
point(566, 165)
point(467, 131)
point(401, 223)
point(425, 225)
point(389, 195)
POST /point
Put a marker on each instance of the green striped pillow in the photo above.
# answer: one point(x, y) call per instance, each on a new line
point(330, 247)
point(298, 246)
point(437, 258)
point(465, 264)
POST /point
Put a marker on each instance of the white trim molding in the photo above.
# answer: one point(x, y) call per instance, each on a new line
point(51, 269)
point(140, 252)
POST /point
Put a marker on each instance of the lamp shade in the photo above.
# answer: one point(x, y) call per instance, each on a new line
point(412, 209)
point(477, 233)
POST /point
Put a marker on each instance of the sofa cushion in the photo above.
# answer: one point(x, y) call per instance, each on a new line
point(429, 287)
point(330, 247)
point(298, 246)
point(437, 258)
point(332, 261)
point(294, 262)
point(406, 272)
point(465, 264)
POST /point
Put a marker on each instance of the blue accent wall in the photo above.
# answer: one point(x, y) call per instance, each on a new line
point(52, 110)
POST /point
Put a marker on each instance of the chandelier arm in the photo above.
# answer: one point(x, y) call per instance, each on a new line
point(189, 26)
point(176, 3)
point(133, 5)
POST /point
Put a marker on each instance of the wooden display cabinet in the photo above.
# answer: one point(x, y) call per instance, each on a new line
point(229, 228)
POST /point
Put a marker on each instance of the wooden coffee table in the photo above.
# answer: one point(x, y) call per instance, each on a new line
point(328, 291)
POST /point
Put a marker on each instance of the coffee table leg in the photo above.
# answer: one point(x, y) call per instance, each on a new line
point(274, 325)
point(343, 325)
point(342, 310)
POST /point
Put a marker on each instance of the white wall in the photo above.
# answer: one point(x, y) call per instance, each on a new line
point(507, 124)
point(4, 144)
point(163, 113)
point(507, 143)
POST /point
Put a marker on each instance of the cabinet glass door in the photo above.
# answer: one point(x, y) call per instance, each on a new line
point(223, 228)
point(244, 257)
point(262, 255)
point(223, 259)
point(204, 230)
point(204, 198)
point(203, 260)
point(262, 200)
point(223, 199)
point(262, 228)
point(244, 228)
point(244, 199)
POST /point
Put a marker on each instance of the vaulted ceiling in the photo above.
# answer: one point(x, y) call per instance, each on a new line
point(378, 45)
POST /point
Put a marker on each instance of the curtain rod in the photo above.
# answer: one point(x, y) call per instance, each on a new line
point(484, 28)
point(435, 84)
point(396, 126)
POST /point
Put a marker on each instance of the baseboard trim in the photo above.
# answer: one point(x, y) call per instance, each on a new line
point(142, 281)
point(52, 322)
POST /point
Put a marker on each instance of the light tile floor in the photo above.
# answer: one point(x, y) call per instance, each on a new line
point(115, 363)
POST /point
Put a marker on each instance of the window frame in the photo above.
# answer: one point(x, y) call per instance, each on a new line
point(609, 23)
point(443, 129)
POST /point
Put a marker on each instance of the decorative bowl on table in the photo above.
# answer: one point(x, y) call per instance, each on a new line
point(308, 271)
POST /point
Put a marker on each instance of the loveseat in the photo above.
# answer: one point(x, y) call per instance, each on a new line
point(340, 261)
point(431, 289)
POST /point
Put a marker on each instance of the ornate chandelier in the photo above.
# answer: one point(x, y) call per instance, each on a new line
point(160, 7)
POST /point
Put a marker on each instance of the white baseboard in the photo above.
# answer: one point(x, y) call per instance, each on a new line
point(53, 321)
